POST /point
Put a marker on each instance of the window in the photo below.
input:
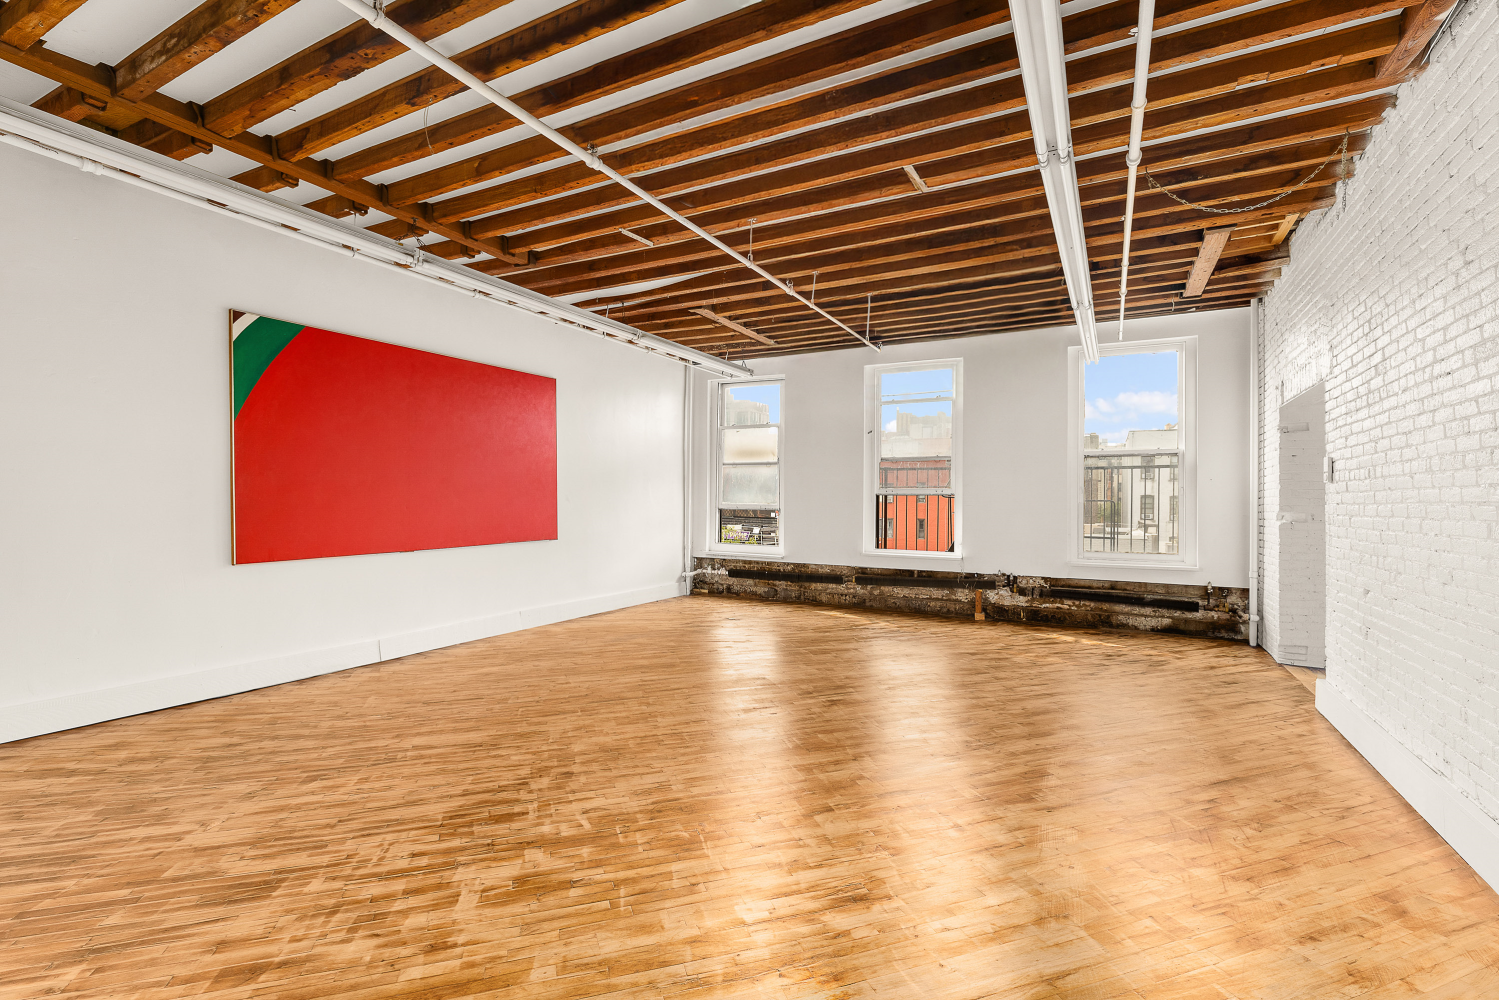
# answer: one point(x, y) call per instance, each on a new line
point(748, 485)
point(1132, 441)
point(912, 430)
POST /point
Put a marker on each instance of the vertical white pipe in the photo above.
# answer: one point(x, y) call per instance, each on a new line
point(1255, 308)
point(1136, 126)
point(687, 574)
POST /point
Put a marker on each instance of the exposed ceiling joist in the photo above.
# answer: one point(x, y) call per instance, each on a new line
point(190, 41)
point(724, 321)
point(1213, 242)
point(892, 158)
point(24, 22)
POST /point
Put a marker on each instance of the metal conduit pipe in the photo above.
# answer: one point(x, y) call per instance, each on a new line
point(1136, 125)
point(1043, 74)
point(377, 18)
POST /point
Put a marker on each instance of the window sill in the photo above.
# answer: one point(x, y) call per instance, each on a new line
point(1167, 566)
point(914, 554)
point(747, 552)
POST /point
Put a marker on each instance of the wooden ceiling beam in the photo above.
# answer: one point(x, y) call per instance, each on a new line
point(900, 238)
point(266, 179)
point(1213, 242)
point(97, 80)
point(341, 56)
point(190, 40)
point(899, 305)
point(805, 65)
point(962, 153)
point(167, 141)
point(1343, 83)
point(24, 22)
point(1357, 44)
point(533, 42)
point(895, 34)
point(1003, 200)
point(1285, 227)
point(1263, 137)
point(724, 321)
point(877, 142)
point(1029, 252)
point(70, 103)
point(1418, 27)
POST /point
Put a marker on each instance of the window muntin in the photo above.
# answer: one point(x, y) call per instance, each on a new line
point(915, 484)
point(748, 484)
point(1133, 448)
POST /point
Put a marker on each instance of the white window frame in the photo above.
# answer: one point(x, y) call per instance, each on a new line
point(715, 544)
point(1186, 556)
point(871, 481)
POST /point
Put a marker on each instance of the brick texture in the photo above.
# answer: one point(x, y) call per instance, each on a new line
point(1391, 301)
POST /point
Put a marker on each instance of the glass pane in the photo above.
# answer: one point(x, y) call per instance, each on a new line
point(918, 522)
point(752, 484)
point(1131, 402)
point(755, 403)
point(750, 444)
point(916, 414)
point(1123, 505)
point(749, 527)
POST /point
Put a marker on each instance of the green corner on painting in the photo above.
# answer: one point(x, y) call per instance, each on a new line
point(254, 349)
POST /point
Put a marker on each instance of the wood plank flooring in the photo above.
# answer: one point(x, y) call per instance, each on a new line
point(710, 798)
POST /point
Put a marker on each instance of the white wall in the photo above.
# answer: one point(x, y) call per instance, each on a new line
point(1392, 297)
point(116, 592)
point(1014, 474)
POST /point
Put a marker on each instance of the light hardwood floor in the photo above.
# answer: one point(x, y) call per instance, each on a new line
point(709, 798)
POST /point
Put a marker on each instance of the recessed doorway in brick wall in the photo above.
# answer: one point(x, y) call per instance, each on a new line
point(1302, 525)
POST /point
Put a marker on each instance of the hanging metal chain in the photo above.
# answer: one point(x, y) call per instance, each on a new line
point(1341, 153)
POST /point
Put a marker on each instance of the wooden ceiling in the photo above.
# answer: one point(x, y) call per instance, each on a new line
point(889, 163)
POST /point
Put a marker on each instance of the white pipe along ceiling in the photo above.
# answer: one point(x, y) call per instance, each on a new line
point(88, 150)
point(1136, 124)
point(377, 18)
point(1043, 72)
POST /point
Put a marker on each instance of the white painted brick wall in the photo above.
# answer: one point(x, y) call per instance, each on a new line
point(1392, 297)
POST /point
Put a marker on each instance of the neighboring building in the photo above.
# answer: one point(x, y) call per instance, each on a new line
point(1132, 501)
point(739, 412)
point(914, 507)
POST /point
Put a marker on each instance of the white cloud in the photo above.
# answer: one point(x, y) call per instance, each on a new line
point(1147, 402)
point(890, 426)
point(1136, 408)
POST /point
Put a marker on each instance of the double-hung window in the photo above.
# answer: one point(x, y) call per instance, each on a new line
point(747, 449)
point(1133, 458)
point(912, 434)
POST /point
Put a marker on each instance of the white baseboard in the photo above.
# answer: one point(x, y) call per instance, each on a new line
point(1473, 835)
point(51, 715)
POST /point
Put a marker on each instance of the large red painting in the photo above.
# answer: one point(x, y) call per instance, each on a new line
point(345, 446)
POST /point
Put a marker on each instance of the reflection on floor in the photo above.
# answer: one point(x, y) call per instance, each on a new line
point(714, 798)
point(1308, 676)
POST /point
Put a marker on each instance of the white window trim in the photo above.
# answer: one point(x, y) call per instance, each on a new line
point(714, 544)
point(870, 482)
point(1186, 558)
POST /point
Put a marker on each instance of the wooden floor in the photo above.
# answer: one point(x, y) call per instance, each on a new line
point(708, 798)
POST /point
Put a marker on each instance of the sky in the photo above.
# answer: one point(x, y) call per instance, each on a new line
point(1130, 392)
point(920, 383)
point(764, 392)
